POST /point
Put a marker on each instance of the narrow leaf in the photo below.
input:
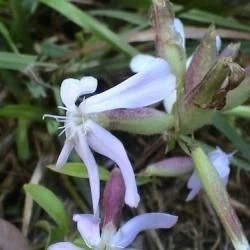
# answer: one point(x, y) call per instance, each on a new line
point(89, 23)
point(15, 61)
point(207, 17)
point(5, 33)
point(79, 170)
point(50, 203)
point(23, 111)
point(122, 15)
point(222, 125)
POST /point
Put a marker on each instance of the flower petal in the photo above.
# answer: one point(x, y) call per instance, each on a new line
point(106, 144)
point(179, 29)
point(149, 86)
point(169, 101)
point(195, 185)
point(139, 62)
point(218, 43)
point(64, 155)
point(63, 246)
point(220, 161)
point(89, 227)
point(127, 233)
point(87, 157)
point(71, 89)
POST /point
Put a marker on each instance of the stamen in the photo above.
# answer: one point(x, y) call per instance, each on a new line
point(62, 107)
point(61, 127)
point(62, 132)
point(58, 118)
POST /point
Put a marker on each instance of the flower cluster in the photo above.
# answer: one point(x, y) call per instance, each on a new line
point(81, 122)
point(85, 130)
point(106, 235)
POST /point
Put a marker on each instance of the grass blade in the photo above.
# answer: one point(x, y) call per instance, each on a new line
point(89, 23)
point(50, 203)
point(5, 33)
point(122, 15)
point(206, 17)
point(15, 61)
point(222, 125)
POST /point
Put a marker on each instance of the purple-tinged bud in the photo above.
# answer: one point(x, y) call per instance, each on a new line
point(232, 50)
point(170, 167)
point(113, 199)
point(145, 121)
point(203, 59)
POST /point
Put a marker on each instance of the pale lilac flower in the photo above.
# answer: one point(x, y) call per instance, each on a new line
point(89, 229)
point(139, 62)
point(220, 161)
point(81, 122)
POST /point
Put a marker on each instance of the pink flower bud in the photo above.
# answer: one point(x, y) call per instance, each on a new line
point(113, 199)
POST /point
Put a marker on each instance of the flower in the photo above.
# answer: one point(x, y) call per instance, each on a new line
point(220, 161)
point(83, 132)
point(89, 229)
point(140, 61)
point(107, 236)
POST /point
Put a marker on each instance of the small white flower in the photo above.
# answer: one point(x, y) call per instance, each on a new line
point(139, 62)
point(82, 132)
point(89, 228)
point(220, 161)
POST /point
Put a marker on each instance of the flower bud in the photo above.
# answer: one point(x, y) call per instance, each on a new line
point(232, 50)
point(203, 59)
point(170, 167)
point(113, 199)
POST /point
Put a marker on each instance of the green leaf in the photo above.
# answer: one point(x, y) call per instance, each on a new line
point(51, 204)
point(222, 125)
point(77, 169)
point(89, 23)
point(207, 17)
point(23, 111)
point(122, 15)
point(239, 111)
point(5, 33)
point(15, 61)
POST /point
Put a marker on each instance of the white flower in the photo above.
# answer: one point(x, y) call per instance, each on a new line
point(89, 228)
point(139, 62)
point(220, 161)
point(82, 131)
